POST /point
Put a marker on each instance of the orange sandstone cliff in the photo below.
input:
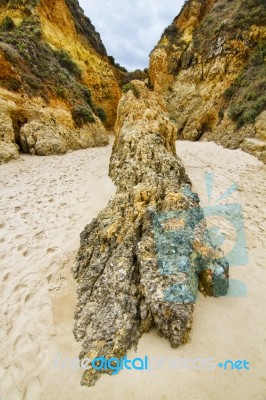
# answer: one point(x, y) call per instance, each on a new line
point(210, 67)
point(58, 88)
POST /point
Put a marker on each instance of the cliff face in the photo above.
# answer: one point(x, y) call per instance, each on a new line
point(210, 66)
point(65, 26)
point(57, 84)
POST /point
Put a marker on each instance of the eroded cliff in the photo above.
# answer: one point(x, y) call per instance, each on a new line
point(58, 88)
point(210, 66)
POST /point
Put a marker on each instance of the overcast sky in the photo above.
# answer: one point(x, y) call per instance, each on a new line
point(131, 28)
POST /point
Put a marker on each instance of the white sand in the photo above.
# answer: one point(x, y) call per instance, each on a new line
point(45, 203)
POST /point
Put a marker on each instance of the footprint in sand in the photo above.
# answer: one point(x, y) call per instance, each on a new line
point(39, 235)
point(5, 277)
point(28, 297)
point(2, 225)
point(51, 250)
point(25, 253)
point(24, 215)
point(33, 389)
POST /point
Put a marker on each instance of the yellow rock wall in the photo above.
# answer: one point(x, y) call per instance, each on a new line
point(193, 81)
point(59, 31)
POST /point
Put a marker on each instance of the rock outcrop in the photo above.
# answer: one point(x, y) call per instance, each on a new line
point(257, 145)
point(143, 258)
point(43, 131)
point(53, 60)
point(210, 65)
point(8, 149)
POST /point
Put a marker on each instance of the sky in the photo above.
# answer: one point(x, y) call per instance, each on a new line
point(131, 28)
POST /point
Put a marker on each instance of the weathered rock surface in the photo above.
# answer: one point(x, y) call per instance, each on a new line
point(64, 26)
point(260, 127)
point(210, 67)
point(256, 147)
point(142, 259)
point(8, 148)
point(43, 131)
point(53, 64)
point(8, 152)
point(46, 139)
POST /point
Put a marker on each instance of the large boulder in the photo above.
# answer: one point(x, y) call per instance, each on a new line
point(44, 131)
point(8, 152)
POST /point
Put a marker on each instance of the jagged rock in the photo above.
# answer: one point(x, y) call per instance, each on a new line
point(260, 126)
point(141, 260)
point(255, 147)
point(210, 67)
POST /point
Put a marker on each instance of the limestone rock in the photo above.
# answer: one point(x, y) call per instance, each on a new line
point(8, 149)
point(65, 27)
point(255, 147)
point(142, 259)
point(6, 128)
point(255, 143)
point(44, 130)
point(210, 68)
point(260, 126)
point(46, 139)
point(8, 152)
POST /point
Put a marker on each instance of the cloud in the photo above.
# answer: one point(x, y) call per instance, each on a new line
point(130, 29)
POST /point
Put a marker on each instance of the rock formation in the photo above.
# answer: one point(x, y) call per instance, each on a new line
point(143, 258)
point(210, 66)
point(53, 64)
point(44, 131)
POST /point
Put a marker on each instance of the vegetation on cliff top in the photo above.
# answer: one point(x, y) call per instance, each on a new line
point(130, 86)
point(82, 23)
point(22, 3)
point(247, 95)
point(226, 21)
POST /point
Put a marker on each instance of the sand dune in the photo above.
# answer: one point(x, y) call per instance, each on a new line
point(45, 203)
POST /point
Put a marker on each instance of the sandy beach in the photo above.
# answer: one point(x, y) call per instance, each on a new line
point(44, 205)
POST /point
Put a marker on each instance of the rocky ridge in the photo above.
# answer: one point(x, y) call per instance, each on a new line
point(143, 258)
